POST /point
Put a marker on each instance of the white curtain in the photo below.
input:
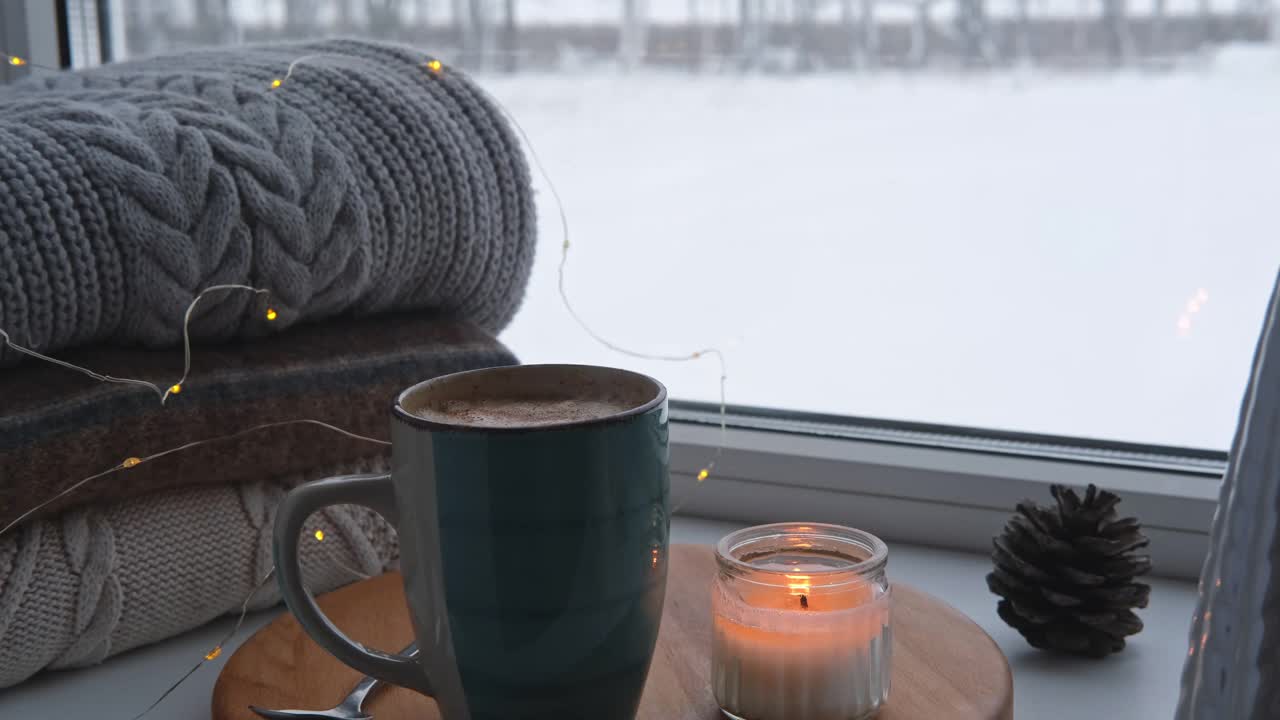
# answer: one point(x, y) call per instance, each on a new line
point(1233, 663)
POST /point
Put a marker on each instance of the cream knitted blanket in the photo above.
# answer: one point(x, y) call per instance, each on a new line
point(101, 580)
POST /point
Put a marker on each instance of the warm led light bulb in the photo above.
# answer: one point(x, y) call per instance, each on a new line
point(175, 389)
point(703, 474)
point(271, 314)
point(435, 66)
point(320, 535)
point(213, 653)
point(131, 462)
point(276, 83)
point(16, 61)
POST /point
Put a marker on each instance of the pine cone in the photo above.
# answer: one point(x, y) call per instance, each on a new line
point(1066, 574)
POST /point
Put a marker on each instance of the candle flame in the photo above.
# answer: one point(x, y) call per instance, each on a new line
point(799, 584)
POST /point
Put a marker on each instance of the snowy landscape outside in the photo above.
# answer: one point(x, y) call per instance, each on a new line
point(1015, 251)
point(1048, 248)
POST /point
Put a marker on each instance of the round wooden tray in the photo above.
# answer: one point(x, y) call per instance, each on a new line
point(944, 666)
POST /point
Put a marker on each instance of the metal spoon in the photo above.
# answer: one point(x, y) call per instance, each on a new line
point(348, 709)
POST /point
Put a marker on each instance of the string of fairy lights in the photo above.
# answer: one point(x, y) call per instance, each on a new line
point(710, 466)
point(162, 392)
point(165, 391)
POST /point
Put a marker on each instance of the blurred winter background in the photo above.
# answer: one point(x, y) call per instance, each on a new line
point(1051, 216)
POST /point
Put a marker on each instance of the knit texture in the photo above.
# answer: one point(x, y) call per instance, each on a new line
point(57, 427)
point(364, 183)
point(98, 581)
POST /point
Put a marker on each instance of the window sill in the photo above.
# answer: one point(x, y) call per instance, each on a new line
point(1141, 682)
point(1143, 679)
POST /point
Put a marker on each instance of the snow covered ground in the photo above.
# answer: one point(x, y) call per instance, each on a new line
point(1085, 254)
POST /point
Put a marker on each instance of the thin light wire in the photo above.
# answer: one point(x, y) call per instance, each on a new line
point(217, 649)
point(349, 569)
point(22, 61)
point(432, 64)
point(289, 73)
point(710, 466)
point(162, 393)
point(8, 341)
point(133, 462)
point(73, 488)
point(278, 82)
point(186, 330)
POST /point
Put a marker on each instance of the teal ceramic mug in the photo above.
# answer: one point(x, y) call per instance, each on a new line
point(533, 541)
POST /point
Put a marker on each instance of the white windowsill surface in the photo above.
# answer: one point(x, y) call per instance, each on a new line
point(1142, 682)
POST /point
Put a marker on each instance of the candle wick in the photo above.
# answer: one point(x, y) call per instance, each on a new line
point(804, 601)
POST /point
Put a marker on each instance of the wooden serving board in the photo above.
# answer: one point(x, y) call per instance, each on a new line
point(944, 666)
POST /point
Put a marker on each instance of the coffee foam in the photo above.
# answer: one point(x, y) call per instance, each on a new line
point(520, 412)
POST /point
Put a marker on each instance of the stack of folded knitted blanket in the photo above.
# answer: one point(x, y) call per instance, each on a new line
point(387, 209)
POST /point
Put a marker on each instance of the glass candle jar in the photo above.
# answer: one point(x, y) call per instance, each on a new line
point(801, 623)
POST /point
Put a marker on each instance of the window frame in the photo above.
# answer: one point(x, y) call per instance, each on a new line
point(32, 29)
point(942, 486)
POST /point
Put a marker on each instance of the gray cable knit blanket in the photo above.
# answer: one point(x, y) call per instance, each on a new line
point(363, 183)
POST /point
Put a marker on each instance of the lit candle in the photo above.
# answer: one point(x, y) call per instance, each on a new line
point(801, 624)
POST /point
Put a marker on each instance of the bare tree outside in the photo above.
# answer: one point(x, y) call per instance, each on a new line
point(1023, 45)
point(216, 19)
point(973, 28)
point(299, 16)
point(510, 37)
point(632, 39)
point(806, 20)
point(808, 36)
point(1159, 19)
point(918, 56)
point(1207, 25)
point(1115, 23)
point(869, 49)
point(751, 30)
point(384, 16)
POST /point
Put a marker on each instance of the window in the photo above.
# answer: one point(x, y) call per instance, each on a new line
point(1048, 217)
point(954, 251)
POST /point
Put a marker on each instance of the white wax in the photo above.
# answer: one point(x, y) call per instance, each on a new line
point(797, 663)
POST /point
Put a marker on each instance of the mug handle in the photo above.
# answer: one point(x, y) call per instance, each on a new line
point(376, 493)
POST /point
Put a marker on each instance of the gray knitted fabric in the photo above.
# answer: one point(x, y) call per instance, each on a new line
point(364, 183)
point(101, 580)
